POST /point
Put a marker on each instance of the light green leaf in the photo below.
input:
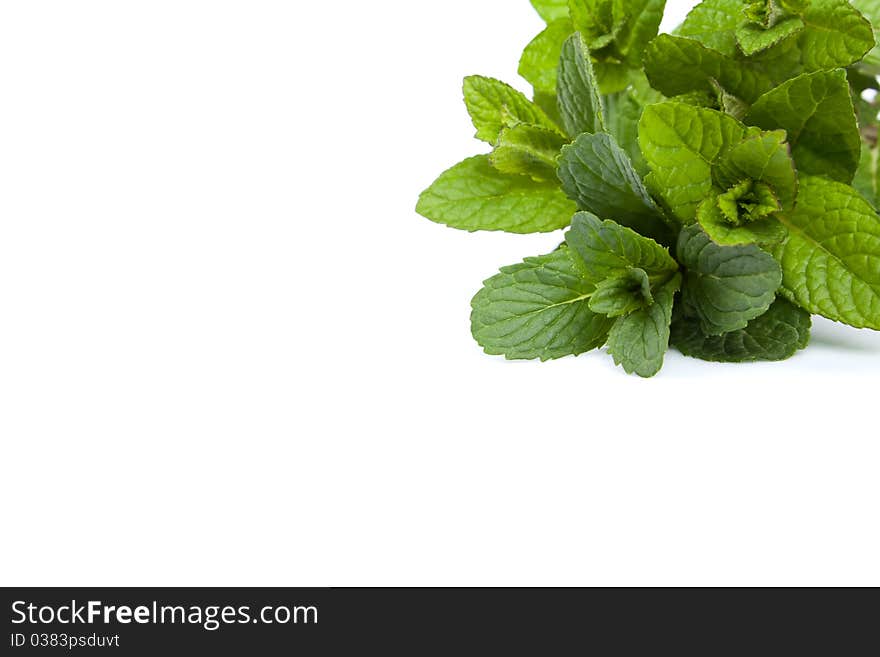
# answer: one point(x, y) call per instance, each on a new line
point(816, 110)
point(776, 335)
point(835, 35)
point(870, 9)
point(681, 143)
point(580, 105)
point(764, 231)
point(639, 22)
point(725, 286)
point(713, 23)
point(527, 150)
point(494, 105)
point(598, 176)
point(594, 19)
point(473, 195)
point(831, 257)
point(762, 157)
point(539, 63)
point(753, 39)
point(608, 249)
point(551, 10)
point(638, 341)
point(748, 201)
point(538, 309)
point(677, 65)
point(623, 293)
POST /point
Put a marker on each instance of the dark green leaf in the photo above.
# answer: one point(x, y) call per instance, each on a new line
point(623, 293)
point(598, 176)
point(607, 249)
point(538, 309)
point(725, 286)
point(677, 65)
point(776, 335)
point(638, 341)
point(580, 105)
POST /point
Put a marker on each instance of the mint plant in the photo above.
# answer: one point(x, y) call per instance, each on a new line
point(719, 185)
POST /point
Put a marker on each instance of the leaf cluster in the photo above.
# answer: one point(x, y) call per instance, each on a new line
point(719, 184)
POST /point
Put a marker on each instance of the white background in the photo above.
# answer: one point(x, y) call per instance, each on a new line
point(231, 353)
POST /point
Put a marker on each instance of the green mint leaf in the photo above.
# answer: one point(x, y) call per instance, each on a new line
point(580, 105)
point(753, 39)
point(748, 201)
point(528, 150)
point(608, 249)
point(598, 176)
point(709, 167)
point(538, 309)
point(836, 35)
point(822, 35)
point(870, 9)
point(594, 19)
point(725, 286)
point(616, 32)
point(718, 226)
point(776, 335)
point(678, 65)
point(622, 294)
point(539, 63)
point(681, 143)
point(639, 341)
point(713, 23)
point(816, 110)
point(638, 21)
point(494, 105)
point(761, 157)
point(757, 179)
point(473, 195)
point(551, 10)
point(831, 257)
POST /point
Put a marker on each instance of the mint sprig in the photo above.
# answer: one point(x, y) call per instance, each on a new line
point(720, 184)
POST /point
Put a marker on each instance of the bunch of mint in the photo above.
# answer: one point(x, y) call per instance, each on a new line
point(719, 184)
